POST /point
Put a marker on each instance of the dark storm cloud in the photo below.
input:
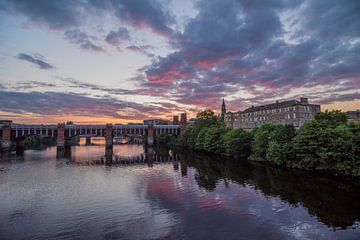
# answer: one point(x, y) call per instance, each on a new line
point(40, 63)
point(265, 48)
point(139, 14)
point(115, 38)
point(54, 103)
point(57, 14)
point(63, 14)
point(83, 40)
point(68, 15)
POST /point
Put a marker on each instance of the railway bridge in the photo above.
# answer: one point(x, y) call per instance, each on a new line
point(12, 132)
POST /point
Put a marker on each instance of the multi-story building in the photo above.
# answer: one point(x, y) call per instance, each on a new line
point(192, 121)
point(353, 116)
point(175, 120)
point(152, 121)
point(183, 119)
point(291, 112)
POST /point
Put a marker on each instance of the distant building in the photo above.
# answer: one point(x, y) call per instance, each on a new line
point(183, 119)
point(291, 112)
point(192, 121)
point(223, 110)
point(353, 116)
point(175, 120)
point(6, 121)
point(152, 121)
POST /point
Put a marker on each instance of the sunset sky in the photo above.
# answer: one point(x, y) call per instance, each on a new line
point(119, 61)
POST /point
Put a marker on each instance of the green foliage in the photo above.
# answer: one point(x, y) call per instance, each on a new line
point(214, 141)
point(355, 130)
point(207, 118)
point(326, 142)
point(280, 149)
point(324, 145)
point(200, 139)
point(261, 141)
point(330, 118)
point(237, 143)
point(164, 139)
point(32, 142)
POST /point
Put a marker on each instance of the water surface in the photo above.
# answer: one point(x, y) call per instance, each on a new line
point(145, 194)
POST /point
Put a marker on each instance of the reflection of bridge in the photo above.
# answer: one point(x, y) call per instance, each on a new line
point(11, 132)
point(147, 158)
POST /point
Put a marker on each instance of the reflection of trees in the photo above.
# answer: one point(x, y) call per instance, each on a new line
point(333, 200)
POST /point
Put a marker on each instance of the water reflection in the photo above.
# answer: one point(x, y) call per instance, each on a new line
point(154, 193)
point(334, 200)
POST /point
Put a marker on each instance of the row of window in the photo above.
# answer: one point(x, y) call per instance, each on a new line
point(271, 117)
point(275, 110)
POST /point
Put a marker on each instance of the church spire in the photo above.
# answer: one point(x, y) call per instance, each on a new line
point(223, 110)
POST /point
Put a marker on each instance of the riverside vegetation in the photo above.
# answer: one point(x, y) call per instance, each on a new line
point(327, 142)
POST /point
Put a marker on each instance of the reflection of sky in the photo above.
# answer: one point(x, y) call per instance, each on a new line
point(52, 198)
point(236, 211)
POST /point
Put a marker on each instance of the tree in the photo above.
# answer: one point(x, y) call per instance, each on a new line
point(261, 141)
point(355, 130)
point(237, 143)
point(324, 145)
point(214, 139)
point(200, 139)
point(332, 118)
point(206, 118)
point(280, 149)
point(164, 139)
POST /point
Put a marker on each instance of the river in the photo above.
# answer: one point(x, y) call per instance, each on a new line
point(150, 194)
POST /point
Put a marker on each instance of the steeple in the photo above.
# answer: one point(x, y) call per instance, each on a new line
point(223, 110)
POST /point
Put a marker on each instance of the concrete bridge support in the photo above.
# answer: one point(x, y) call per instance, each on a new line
point(6, 137)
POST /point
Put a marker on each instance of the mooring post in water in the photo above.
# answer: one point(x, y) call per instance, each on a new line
point(6, 137)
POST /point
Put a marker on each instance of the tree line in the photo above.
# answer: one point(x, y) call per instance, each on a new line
point(327, 142)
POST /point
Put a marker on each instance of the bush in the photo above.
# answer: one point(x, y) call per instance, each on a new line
point(261, 141)
point(214, 141)
point(164, 139)
point(237, 143)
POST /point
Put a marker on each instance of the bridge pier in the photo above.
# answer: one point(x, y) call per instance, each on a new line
point(63, 144)
point(20, 146)
point(60, 140)
point(150, 135)
point(109, 135)
point(88, 141)
point(64, 152)
point(6, 137)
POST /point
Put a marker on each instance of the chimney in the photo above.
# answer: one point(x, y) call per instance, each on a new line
point(304, 100)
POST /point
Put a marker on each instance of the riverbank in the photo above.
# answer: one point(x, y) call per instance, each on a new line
point(326, 143)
